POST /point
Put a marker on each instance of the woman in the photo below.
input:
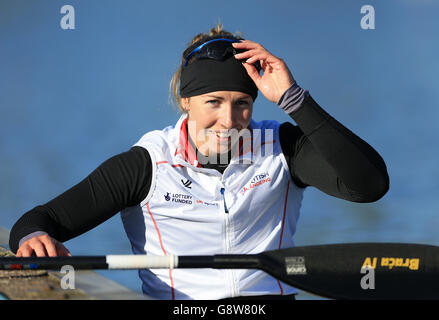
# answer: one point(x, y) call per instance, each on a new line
point(217, 181)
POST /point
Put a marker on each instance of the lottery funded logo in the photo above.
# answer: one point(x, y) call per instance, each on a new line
point(178, 197)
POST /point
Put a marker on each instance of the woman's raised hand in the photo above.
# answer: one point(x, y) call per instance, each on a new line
point(276, 78)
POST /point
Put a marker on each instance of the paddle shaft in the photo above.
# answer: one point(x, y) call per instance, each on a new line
point(126, 262)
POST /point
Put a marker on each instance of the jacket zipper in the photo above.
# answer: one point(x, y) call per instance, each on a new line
point(226, 210)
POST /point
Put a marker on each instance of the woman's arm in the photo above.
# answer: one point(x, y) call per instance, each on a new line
point(321, 152)
point(121, 181)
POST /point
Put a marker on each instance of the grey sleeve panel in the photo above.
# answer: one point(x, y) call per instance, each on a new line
point(292, 98)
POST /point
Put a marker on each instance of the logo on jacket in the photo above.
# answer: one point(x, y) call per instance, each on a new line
point(256, 181)
point(187, 183)
point(178, 197)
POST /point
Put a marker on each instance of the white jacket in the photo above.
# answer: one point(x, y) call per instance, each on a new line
point(252, 207)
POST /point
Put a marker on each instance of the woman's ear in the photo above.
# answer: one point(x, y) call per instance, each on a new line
point(185, 104)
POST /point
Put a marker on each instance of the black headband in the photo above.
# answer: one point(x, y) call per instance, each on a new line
point(208, 75)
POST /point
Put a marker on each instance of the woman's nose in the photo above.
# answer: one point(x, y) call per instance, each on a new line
point(227, 120)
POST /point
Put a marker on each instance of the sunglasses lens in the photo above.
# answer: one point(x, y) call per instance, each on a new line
point(218, 50)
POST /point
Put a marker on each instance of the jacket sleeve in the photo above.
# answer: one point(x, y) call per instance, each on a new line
point(323, 153)
point(121, 181)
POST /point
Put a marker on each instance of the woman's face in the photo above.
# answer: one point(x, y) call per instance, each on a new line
point(215, 119)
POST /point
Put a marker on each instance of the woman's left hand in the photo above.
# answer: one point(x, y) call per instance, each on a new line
point(276, 79)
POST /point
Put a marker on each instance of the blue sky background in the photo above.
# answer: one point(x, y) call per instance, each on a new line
point(70, 99)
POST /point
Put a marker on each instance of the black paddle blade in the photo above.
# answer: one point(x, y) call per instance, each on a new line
point(338, 271)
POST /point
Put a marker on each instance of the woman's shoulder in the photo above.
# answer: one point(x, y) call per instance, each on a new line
point(159, 143)
point(156, 136)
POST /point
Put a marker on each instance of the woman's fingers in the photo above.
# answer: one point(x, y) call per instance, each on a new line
point(252, 72)
point(252, 56)
point(268, 60)
point(246, 45)
point(252, 49)
point(49, 245)
point(258, 53)
point(24, 251)
point(39, 249)
point(265, 66)
point(247, 54)
point(276, 77)
point(42, 246)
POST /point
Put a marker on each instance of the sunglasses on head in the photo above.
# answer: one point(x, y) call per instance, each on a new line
point(217, 49)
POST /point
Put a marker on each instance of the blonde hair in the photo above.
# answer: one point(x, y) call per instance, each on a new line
point(174, 85)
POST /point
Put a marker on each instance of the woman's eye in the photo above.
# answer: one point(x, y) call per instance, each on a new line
point(242, 103)
point(212, 101)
